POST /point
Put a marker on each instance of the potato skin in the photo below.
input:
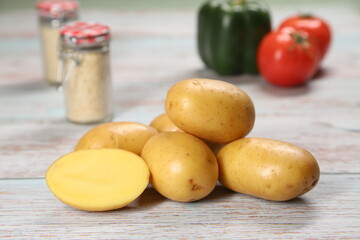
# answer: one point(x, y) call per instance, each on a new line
point(130, 136)
point(182, 167)
point(162, 123)
point(212, 110)
point(268, 169)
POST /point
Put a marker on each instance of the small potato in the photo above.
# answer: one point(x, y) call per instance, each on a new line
point(182, 167)
point(129, 136)
point(162, 123)
point(267, 168)
point(212, 110)
point(98, 179)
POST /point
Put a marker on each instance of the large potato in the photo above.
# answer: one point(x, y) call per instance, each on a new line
point(182, 167)
point(212, 110)
point(129, 136)
point(268, 169)
point(162, 123)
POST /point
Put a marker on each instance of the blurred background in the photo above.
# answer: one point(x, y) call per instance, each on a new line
point(6, 5)
point(138, 19)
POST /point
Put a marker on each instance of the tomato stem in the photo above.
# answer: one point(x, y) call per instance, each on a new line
point(305, 15)
point(299, 38)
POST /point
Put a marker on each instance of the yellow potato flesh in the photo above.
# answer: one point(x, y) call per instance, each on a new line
point(98, 179)
point(212, 110)
point(162, 123)
point(268, 169)
point(183, 168)
point(129, 136)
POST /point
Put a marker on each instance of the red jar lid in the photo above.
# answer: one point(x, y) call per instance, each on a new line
point(85, 33)
point(57, 8)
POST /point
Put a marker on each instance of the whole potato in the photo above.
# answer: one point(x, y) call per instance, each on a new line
point(212, 110)
point(162, 123)
point(182, 167)
point(130, 136)
point(268, 169)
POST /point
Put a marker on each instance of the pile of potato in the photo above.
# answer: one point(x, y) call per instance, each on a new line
point(183, 153)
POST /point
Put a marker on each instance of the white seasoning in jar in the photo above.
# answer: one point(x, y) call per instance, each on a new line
point(53, 14)
point(50, 40)
point(85, 67)
point(87, 93)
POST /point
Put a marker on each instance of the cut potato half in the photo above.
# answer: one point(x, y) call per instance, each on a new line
point(98, 179)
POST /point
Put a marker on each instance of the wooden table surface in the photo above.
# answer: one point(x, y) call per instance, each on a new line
point(152, 48)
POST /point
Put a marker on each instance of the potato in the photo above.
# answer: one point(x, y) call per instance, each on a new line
point(268, 169)
point(98, 179)
point(212, 110)
point(162, 123)
point(129, 136)
point(182, 167)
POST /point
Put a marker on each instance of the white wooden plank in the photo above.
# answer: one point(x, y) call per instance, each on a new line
point(331, 211)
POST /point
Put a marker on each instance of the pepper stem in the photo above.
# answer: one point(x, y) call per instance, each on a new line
point(237, 2)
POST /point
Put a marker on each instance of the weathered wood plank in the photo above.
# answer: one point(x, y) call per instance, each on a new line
point(331, 211)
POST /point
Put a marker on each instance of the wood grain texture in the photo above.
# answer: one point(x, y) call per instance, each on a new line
point(331, 211)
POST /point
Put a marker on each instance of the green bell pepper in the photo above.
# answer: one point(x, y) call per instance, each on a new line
point(229, 33)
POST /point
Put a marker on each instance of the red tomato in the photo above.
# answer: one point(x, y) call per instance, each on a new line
point(313, 25)
point(288, 57)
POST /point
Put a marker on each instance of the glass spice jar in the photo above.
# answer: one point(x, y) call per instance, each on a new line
point(53, 14)
point(85, 72)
